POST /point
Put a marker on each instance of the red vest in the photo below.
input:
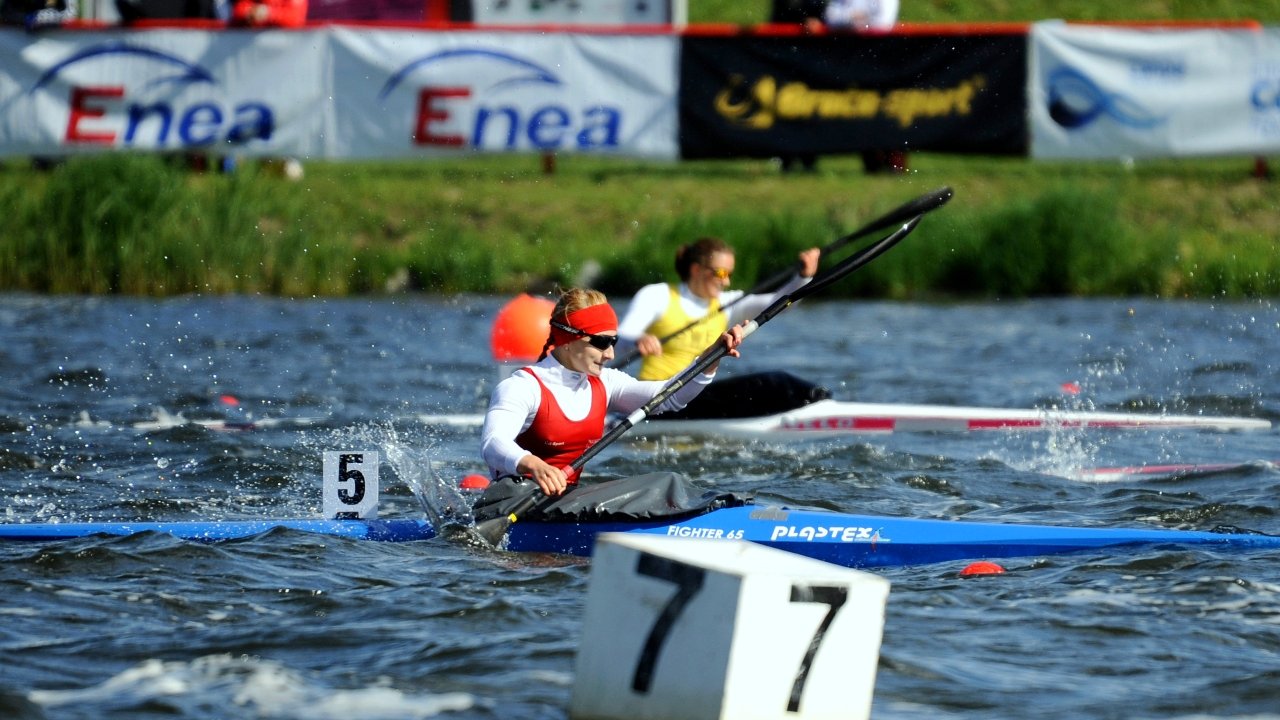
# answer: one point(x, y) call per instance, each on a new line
point(557, 440)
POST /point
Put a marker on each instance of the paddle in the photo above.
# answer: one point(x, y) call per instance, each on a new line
point(494, 529)
point(900, 214)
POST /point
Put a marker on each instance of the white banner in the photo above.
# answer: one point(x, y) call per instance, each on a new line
point(1106, 92)
point(253, 92)
point(337, 92)
point(410, 93)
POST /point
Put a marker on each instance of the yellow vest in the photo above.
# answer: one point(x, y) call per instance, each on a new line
point(681, 350)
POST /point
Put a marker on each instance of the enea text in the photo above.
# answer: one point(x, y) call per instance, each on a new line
point(548, 127)
point(199, 124)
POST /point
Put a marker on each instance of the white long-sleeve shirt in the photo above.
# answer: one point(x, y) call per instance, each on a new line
point(651, 301)
point(515, 402)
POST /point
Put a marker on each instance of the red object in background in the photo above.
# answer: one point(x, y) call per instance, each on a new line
point(437, 11)
point(269, 13)
point(378, 11)
point(521, 329)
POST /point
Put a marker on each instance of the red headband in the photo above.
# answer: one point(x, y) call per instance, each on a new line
point(590, 320)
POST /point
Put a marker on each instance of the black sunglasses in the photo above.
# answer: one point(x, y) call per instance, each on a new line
point(599, 342)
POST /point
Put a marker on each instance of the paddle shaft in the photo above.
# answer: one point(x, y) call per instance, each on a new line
point(901, 214)
point(495, 528)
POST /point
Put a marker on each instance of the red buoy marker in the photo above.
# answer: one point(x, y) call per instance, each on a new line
point(521, 328)
point(981, 567)
point(474, 482)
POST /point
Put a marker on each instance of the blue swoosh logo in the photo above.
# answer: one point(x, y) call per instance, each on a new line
point(188, 73)
point(531, 72)
point(1076, 101)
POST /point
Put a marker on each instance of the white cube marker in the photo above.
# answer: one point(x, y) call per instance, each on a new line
point(350, 484)
point(686, 629)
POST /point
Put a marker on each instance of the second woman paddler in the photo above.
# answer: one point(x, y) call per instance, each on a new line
point(668, 325)
point(544, 416)
point(705, 268)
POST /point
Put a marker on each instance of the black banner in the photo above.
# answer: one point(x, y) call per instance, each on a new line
point(764, 96)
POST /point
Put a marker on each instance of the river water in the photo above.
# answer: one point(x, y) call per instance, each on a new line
point(290, 625)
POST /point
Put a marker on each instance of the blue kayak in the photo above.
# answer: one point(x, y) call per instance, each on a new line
point(857, 541)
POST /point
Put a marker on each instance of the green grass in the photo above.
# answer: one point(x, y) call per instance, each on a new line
point(147, 226)
point(1197, 228)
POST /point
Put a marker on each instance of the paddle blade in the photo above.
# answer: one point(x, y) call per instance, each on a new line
point(493, 531)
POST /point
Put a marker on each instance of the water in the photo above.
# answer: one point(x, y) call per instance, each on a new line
point(289, 625)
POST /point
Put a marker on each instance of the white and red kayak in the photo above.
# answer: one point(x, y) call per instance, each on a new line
point(831, 418)
point(1165, 471)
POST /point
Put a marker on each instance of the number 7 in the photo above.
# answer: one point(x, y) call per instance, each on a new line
point(688, 581)
point(833, 596)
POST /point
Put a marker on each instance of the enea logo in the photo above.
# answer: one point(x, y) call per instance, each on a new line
point(507, 102)
point(149, 111)
point(1075, 101)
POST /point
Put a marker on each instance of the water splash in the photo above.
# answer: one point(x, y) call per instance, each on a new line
point(410, 460)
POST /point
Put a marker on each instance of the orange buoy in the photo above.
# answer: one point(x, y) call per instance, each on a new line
point(981, 567)
point(474, 482)
point(521, 328)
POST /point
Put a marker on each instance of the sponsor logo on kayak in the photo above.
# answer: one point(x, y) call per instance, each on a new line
point(837, 533)
point(704, 533)
point(840, 422)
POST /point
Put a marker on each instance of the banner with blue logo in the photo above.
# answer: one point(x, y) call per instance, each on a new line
point(402, 94)
point(337, 92)
point(68, 92)
point(1110, 92)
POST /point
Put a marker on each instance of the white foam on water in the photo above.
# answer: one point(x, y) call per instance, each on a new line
point(263, 688)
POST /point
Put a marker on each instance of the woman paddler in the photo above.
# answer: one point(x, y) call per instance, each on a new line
point(542, 417)
point(705, 268)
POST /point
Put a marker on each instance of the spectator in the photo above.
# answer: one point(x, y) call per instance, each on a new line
point(800, 12)
point(861, 15)
point(842, 15)
point(134, 10)
point(273, 14)
point(269, 13)
point(37, 14)
point(868, 16)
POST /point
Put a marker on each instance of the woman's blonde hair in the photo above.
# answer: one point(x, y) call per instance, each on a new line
point(571, 300)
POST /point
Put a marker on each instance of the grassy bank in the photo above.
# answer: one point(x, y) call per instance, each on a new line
point(144, 225)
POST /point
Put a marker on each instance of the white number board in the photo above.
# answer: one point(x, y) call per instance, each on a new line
point(350, 484)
